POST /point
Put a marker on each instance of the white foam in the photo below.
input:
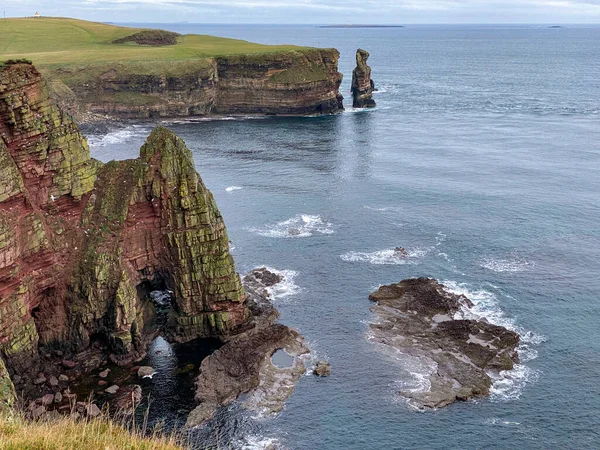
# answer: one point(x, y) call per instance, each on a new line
point(507, 265)
point(385, 257)
point(496, 421)
point(299, 226)
point(257, 443)
point(117, 136)
point(233, 188)
point(384, 208)
point(352, 110)
point(416, 370)
point(508, 384)
point(286, 287)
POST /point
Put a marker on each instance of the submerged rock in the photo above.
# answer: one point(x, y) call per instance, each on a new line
point(362, 84)
point(417, 318)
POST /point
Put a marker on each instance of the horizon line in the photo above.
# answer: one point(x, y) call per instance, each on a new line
point(404, 24)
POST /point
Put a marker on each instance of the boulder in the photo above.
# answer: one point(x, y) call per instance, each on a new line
point(53, 381)
point(127, 399)
point(322, 369)
point(47, 399)
point(68, 364)
point(92, 410)
point(112, 390)
point(146, 372)
point(104, 373)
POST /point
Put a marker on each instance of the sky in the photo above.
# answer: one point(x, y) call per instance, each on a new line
point(314, 11)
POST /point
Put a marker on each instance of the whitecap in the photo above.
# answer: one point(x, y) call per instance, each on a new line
point(299, 226)
point(117, 137)
point(496, 421)
point(352, 110)
point(507, 265)
point(385, 257)
point(507, 384)
point(286, 287)
point(384, 208)
point(233, 188)
point(256, 443)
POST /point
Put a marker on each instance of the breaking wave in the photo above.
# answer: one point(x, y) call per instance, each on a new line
point(386, 257)
point(286, 287)
point(299, 226)
point(508, 384)
point(507, 265)
point(118, 136)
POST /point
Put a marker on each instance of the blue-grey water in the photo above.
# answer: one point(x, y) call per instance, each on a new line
point(483, 160)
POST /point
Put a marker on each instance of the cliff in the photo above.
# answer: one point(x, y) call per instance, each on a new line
point(133, 73)
point(286, 83)
point(82, 244)
point(362, 84)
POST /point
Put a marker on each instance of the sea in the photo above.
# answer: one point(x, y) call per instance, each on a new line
point(482, 159)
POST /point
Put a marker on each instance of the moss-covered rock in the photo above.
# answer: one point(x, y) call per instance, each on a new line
point(82, 243)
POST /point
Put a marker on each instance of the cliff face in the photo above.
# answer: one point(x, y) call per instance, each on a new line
point(82, 244)
point(362, 84)
point(288, 83)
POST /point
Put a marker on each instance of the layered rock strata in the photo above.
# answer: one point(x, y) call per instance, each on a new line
point(244, 365)
point(362, 84)
point(282, 83)
point(83, 243)
point(417, 317)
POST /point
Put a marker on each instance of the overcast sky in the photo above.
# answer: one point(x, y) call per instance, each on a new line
point(315, 11)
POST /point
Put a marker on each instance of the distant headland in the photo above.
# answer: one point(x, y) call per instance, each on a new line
point(361, 26)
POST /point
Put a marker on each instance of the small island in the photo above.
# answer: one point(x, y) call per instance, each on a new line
point(361, 26)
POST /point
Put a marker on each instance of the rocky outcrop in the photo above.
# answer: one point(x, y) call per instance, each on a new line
point(82, 244)
point(362, 84)
point(244, 363)
point(417, 317)
point(286, 83)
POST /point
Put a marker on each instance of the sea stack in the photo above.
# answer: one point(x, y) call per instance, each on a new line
point(362, 84)
point(83, 243)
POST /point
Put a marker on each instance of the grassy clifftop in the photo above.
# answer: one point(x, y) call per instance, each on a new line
point(145, 73)
point(62, 41)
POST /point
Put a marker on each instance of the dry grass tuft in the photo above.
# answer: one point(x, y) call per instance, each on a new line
point(65, 433)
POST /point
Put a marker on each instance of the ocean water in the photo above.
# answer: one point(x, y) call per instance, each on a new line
point(482, 159)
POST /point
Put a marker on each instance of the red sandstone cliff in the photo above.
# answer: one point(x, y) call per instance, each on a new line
point(82, 243)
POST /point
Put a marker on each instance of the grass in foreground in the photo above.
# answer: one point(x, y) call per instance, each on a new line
point(60, 41)
point(68, 434)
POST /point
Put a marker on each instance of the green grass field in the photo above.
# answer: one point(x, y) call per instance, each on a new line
point(60, 41)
